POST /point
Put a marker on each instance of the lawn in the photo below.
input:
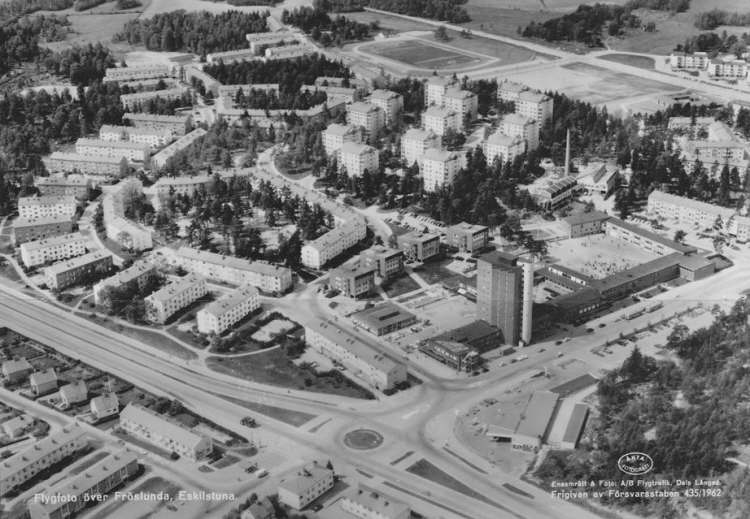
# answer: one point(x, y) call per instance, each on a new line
point(634, 61)
point(421, 54)
point(401, 285)
point(276, 368)
point(288, 416)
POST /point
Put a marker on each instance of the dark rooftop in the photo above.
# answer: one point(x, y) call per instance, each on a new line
point(382, 315)
point(576, 423)
point(499, 258)
point(591, 216)
point(469, 332)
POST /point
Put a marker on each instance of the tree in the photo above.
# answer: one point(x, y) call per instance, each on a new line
point(441, 33)
point(679, 236)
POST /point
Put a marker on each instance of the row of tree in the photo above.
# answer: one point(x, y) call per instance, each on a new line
point(11, 9)
point(272, 100)
point(19, 40)
point(714, 43)
point(326, 30)
point(583, 25)
point(198, 32)
point(714, 18)
point(447, 10)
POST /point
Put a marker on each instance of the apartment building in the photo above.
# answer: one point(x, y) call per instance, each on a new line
point(139, 273)
point(387, 262)
point(58, 185)
point(503, 147)
point(135, 73)
point(137, 100)
point(159, 160)
point(728, 69)
point(181, 185)
point(164, 432)
point(153, 137)
point(87, 164)
point(306, 486)
point(260, 40)
point(689, 61)
point(379, 371)
point(643, 238)
point(731, 152)
point(238, 271)
point(165, 302)
point(70, 272)
point(510, 91)
point(353, 279)
point(72, 495)
point(336, 135)
point(535, 105)
point(368, 116)
point(439, 168)
point(317, 253)
point(463, 102)
point(467, 237)
point(419, 246)
point(368, 503)
point(286, 52)
point(33, 207)
point(125, 232)
point(232, 56)
point(30, 461)
point(28, 229)
point(39, 252)
point(439, 120)
point(355, 159)
point(334, 93)
point(435, 89)
point(391, 103)
point(516, 125)
point(114, 149)
point(222, 314)
point(691, 212)
point(415, 142)
point(177, 124)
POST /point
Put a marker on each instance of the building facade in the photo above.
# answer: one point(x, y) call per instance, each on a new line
point(439, 168)
point(28, 229)
point(164, 303)
point(516, 125)
point(306, 486)
point(368, 116)
point(499, 294)
point(353, 279)
point(391, 103)
point(73, 271)
point(356, 158)
point(414, 144)
point(220, 315)
point(387, 262)
point(39, 252)
point(439, 120)
point(419, 246)
point(503, 147)
point(336, 135)
point(33, 207)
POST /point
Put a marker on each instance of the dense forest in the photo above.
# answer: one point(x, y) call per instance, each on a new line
point(246, 2)
point(10, 9)
point(714, 43)
point(272, 100)
point(710, 20)
point(82, 5)
point(82, 65)
point(19, 40)
point(197, 32)
point(447, 10)
point(326, 30)
point(688, 416)
point(290, 74)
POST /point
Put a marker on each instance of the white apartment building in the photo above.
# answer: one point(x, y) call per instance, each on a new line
point(435, 89)
point(367, 503)
point(159, 160)
point(535, 105)
point(231, 56)
point(124, 232)
point(33, 207)
point(138, 273)
point(286, 52)
point(28, 462)
point(357, 158)
point(367, 364)
point(509, 91)
point(39, 252)
point(238, 271)
point(684, 61)
point(439, 120)
point(414, 144)
point(728, 69)
point(439, 168)
point(463, 102)
point(267, 39)
point(28, 229)
point(70, 272)
point(164, 432)
point(306, 486)
point(114, 149)
point(134, 101)
point(504, 147)
point(337, 134)
point(368, 116)
point(230, 309)
point(729, 152)
point(165, 302)
point(390, 102)
point(151, 71)
point(686, 210)
point(181, 185)
point(320, 251)
point(177, 124)
point(516, 125)
point(58, 185)
point(334, 93)
point(88, 164)
point(154, 137)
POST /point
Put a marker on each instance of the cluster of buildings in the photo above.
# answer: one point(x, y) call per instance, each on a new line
point(265, 46)
point(138, 274)
point(727, 67)
point(120, 229)
point(710, 142)
point(41, 382)
point(165, 302)
point(222, 314)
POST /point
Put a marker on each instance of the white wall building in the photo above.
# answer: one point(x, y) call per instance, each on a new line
point(114, 149)
point(535, 105)
point(177, 124)
point(368, 116)
point(463, 102)
point(317, 253)
point(391, 103)
point(516, 125)
point(439, 120)
point(159, 160)
point(135, 73)
point(435, 89)
point(138, 273)
point(33, 207)
point(153, 137)
point(88, 164)
point(337, 134)
point(39, 252)
point(414, 144)
point(439, 168)
point(504, 147)
point(230, 309)
point(357, 158)
point(309, 484)
point(164, 303)
point(368, 503)
point(685, 61)
point(137, 100)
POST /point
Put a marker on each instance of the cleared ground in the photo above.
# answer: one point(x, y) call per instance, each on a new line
point(598, 255)
point(629, 59)
point(421, 54)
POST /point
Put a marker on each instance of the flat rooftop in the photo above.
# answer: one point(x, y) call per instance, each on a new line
point(382, 315)
point(537, 415)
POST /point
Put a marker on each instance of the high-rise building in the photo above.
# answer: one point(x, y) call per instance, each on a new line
point(500, 293)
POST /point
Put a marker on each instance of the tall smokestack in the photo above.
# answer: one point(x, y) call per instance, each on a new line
point(567, 153)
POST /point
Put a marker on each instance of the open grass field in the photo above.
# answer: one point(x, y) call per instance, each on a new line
point(421, 54)
point(634, 61)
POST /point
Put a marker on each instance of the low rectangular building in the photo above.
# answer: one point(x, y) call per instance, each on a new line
point(387, 262)
point(353, 279)
point(86, 164)
point(72, 185)
point(114, 149)
point(584, 224)
point(139, 273)
point(551, 192)
point(78, 492)
point(419, 246)
point(220, 315)
point(136, 101)
point(686, 210)
point(16, 370)
point(309, 484)
point(154, 137)
point(164, 303)
point(32, 207)
point(598, 178)
point(383, 319)
point(159, 160)
point(238, 271)
point(71, 272)
point(575, 426)
point(316, 253)
point(375, 368)
point(177, 124)
point(467, 237)
point(367, 503)
point(643, 238)
point(39, 252)
point(164, 432)
point(480, 335)
point(30, 461)
point(29, 229)
point(134, 73)
point(457, 355)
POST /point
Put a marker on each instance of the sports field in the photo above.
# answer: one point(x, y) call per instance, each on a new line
point(598, 255)
point(421, 54)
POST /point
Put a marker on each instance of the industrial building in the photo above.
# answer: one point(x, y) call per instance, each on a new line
point(384, 318)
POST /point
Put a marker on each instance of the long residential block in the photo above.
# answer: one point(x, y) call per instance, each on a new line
point(163, 303)
point(70, 272)
point(222, 314)
point(177, 124)
point(28, 229)
point(73, 185)
point(139, 273)
point(46, 206)
point(159, 160)
point(87, 164)
point(320, 251)
point(39, 252)
point(114, 149)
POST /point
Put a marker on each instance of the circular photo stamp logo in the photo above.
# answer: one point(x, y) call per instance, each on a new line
point(635, 463)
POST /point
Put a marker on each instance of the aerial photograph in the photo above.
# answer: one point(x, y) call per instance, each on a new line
point(374, 259)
